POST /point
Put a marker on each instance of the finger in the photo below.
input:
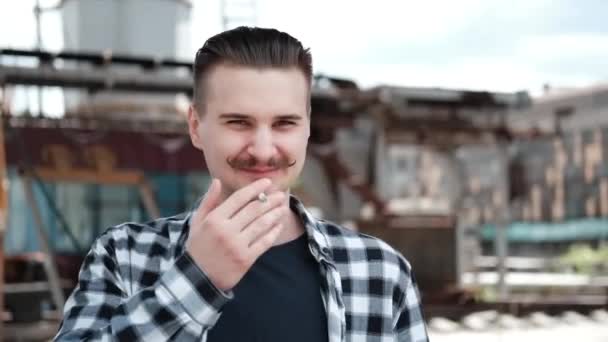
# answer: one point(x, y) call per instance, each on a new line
point(255, 209)
point(263, 224)
point(211, 199)
point(241, 197)
point(264, 242)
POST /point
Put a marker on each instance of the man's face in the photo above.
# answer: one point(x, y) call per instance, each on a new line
point(254, 124)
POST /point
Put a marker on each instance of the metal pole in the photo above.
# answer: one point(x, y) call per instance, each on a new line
point(37, 11)
point(502, 224)
point(223, 14)
point(49, 260)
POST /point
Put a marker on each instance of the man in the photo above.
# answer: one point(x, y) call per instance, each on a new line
point(250, 263)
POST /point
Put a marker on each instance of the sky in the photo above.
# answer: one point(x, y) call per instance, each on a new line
point(500, 45)
point(496, 45)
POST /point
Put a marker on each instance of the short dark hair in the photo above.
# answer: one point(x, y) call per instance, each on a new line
point(249, 46)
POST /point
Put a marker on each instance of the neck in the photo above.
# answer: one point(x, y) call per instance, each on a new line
point(292, 228)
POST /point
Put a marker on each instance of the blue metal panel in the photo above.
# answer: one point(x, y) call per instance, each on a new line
point(91, 208)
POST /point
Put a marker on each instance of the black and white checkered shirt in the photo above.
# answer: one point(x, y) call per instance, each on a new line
point(137, 283)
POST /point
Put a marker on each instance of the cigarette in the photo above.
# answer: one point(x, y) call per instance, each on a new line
point(262, 197)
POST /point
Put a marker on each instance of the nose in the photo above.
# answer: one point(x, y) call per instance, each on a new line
point(262, 145)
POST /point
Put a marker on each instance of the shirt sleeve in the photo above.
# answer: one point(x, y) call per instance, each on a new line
point(411, 326)
point(101, 307)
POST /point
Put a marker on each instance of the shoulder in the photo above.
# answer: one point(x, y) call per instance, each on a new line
point(349, 246)
point(161, 233)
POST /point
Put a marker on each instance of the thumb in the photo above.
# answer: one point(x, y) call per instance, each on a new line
point(211, 199)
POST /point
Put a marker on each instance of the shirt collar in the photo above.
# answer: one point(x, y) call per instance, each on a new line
point(317, 238)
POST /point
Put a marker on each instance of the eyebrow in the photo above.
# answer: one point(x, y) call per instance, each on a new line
point(233, 116)
point(294, 117)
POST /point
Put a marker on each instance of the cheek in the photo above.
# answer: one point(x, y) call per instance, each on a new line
point(223, 149)
point(297, 143)
point(219, 142)
point(294, 145)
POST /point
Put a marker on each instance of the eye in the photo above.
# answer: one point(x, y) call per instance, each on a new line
point(238, 122)
point(284, 123)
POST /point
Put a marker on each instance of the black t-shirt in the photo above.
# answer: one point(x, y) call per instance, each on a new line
point(278, 300)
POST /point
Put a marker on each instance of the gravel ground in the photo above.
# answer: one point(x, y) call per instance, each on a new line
point(579, 331)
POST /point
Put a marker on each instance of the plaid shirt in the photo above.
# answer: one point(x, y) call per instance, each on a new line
point(137, 283)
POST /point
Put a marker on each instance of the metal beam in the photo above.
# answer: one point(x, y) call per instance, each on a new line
point(96, 79)
point(102, 58)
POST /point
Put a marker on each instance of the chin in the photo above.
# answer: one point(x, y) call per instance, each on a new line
point(278, 183)
point(278, 187)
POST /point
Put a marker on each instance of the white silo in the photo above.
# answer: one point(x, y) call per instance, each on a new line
point(142, 28)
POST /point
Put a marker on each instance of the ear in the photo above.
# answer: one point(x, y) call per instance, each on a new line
point(308, 128)
point(193, 127)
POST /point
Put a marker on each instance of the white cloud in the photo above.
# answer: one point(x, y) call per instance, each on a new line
point(564, 45)
point(336, 30)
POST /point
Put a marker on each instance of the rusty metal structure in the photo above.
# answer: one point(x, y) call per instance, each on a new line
point(90, 147)
point(93, 147)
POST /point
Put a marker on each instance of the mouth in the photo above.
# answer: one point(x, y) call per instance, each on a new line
point(260, 171)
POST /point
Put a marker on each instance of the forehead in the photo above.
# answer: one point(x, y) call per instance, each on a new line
point(256, 91)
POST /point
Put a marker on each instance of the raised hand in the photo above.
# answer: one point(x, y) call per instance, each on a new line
point(226, 238)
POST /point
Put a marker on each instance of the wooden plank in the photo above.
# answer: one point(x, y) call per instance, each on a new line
point(89, 176)
point(518, 263)
point(147, 196)
point(537, 279)
point(34, 286)
point(604, 197)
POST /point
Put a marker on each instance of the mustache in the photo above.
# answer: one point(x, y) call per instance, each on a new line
point(251, 162)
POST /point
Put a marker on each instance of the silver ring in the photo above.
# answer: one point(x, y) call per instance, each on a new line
point(262, 197)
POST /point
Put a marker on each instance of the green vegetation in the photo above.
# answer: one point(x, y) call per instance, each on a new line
point(585, 259)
